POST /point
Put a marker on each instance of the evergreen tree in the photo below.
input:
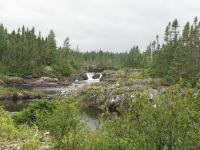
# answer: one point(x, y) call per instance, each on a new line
point(167, 37)
point(66, 45)
point(3, 41)
point(51, 41)
point(51, 46)
point(175, 31)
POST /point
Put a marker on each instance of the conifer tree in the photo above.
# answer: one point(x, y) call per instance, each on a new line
point(51, 41)
point(3, 41)
point(66, 44)
point(51, 46)
point(167, 36)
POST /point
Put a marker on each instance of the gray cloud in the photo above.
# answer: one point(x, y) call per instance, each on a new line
point(113, 25)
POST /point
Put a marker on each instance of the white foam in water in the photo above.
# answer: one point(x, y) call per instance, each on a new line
point(89, 75)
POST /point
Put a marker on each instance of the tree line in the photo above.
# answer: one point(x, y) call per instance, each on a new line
point(22, 52)
point(179, 57)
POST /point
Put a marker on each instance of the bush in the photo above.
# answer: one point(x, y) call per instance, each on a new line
point(64, 70)
point(170, 122)
point(60, 118)
point(17, 138)
point(4, 78)
point(65, 126)
point(29, 114)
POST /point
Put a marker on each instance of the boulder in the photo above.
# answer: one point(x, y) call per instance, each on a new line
point(16, 80)
point(45, 81)
point(66, 83)
point(79, 77)
point(84, 76)
point(25, 95)
point(48, 79)
point(39, 82)
point(96, 76)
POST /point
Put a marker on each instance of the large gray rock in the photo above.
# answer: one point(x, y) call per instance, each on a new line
point(66, 83)
point(26, 95)
point(45, 81)
point(96, 76)
point(84, 76)
point(16, 80)
point(79, 77)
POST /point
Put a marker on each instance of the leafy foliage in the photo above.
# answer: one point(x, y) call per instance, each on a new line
point(12, 137)
point(170, 122)
point(29, 115)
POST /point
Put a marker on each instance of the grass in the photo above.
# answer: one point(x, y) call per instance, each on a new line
point(5, 90)
point(4, 78)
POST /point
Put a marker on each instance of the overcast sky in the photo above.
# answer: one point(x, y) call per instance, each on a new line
point(109, 25)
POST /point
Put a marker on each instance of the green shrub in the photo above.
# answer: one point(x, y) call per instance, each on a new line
point(170, 122)
point(8, 90)
point(4, 78)
point(63, 70)
point(17, 138)
point(29, 114)
point(153, 84)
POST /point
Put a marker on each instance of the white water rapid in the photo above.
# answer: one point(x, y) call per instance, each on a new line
point(90, 74)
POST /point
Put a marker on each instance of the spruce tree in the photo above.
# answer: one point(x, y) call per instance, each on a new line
point(3, 41)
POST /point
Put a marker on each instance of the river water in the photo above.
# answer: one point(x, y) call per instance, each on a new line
point(86, 113)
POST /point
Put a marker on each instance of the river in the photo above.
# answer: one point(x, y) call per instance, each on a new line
point(86, 113)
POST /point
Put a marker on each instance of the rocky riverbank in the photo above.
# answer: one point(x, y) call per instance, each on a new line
point(8, 93)
point(47, 81)
point(35, 81)
point(115, 88)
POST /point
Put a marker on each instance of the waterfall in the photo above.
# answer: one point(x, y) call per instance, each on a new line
point(90, 74)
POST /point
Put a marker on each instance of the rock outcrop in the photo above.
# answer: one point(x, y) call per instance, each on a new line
point(16, 80)
point(110, 76)
point(79, 77)
point(65, 83)
point(96, 76)
point(45, 81)
point(113, 96)
point(26, 95)
point(23, 95)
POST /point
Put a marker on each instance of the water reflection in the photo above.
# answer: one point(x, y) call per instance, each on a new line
point(15, 106)
point(91, 116)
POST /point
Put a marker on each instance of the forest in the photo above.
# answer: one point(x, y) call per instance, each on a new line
point(23, 53)
point(172, 123)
